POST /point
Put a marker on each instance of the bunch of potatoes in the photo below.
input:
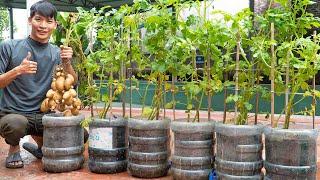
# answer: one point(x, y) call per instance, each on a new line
point(62, 96)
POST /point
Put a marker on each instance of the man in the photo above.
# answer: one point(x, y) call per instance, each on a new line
point(26, 68)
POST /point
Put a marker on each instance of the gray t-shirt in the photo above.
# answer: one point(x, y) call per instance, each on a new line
point(27, 91)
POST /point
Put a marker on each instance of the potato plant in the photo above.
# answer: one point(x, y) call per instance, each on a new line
point(62, 96)
point(296, 52)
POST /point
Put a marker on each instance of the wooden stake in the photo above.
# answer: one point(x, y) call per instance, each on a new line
point(110, 92)
point(173, 97)
point(273, 58)
point(123, 76)
point(164, 98)
point(287, 90)
point(257, 100)
point(209, 82)
point(237, 75)
point(130, 75)
point(225, 77)
point(314, 86)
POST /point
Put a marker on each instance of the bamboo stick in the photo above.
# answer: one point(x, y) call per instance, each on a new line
point(110, 92)
point(130, 75)
point(173, 97)
point(209, 82)
point(272, 76)
point(237, 75)
point(164, 98)
point(314, 87)
point(225, 77)
point(123, 76)
point(257, 101)
point(287, 90)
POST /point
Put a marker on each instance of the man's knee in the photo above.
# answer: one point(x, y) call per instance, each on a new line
point(13, 127)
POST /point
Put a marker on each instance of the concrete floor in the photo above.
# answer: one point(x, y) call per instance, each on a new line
point(33, 167)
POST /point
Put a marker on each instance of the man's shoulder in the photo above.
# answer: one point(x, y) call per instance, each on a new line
point(11, 42)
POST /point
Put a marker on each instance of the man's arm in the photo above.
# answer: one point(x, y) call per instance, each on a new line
point(66, 57)
point(26, 67)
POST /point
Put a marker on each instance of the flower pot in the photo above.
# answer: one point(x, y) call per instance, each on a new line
point(291, 154)
point(148, 148)
point(193, 149)
point(62, 143)
point(107, 147)
point(239, 151)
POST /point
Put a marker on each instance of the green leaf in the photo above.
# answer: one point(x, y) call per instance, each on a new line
point(189, 106)
point(248, 106)
point(169, 105)
point(317, 93)
point(304, 86)
point(146, 112)
point(307, 93)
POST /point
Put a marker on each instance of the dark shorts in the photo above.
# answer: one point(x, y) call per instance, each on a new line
point(14, 126)
point(34, 124)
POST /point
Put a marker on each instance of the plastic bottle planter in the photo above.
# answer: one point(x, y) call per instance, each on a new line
point(107, 147)
point(148, 148)
point(239, 151)
point(62, 143)
point(193, 149)
point(290, 154)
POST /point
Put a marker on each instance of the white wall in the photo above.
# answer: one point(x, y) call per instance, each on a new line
point(20, 16)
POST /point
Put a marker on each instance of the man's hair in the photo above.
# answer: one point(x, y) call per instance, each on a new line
point(44, 8)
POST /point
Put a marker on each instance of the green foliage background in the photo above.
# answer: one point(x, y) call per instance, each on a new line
point(4, 21)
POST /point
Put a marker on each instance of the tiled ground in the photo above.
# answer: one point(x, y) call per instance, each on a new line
point(33, 167)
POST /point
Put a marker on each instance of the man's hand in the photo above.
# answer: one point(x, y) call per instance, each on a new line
point(66, 54)
point(27, 66)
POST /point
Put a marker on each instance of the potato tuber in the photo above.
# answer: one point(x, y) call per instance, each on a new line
point(60, 83)
point(44, 106)
point(62, 96)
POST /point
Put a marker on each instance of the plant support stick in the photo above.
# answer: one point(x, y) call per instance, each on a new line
point(209, 89)
point(314, 87)
point(225, 74)
point(273, 124)
point(287, 81)
point(173, 97)
point(237, 77)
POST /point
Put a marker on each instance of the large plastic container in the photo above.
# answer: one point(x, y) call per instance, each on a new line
point(290, 154)
point(62, 143)
point(193, 149)
point(239, 151)
point(107, 145)
point(148, 148)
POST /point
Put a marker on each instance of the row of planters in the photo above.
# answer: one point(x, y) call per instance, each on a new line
point(159, 44)
point(238, 149)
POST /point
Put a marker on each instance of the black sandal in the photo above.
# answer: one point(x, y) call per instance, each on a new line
point(14, 161)
point(33, 149)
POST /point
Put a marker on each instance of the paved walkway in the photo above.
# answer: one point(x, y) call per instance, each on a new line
point(33, 167)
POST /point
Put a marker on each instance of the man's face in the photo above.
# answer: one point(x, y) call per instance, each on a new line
point(42, 27)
